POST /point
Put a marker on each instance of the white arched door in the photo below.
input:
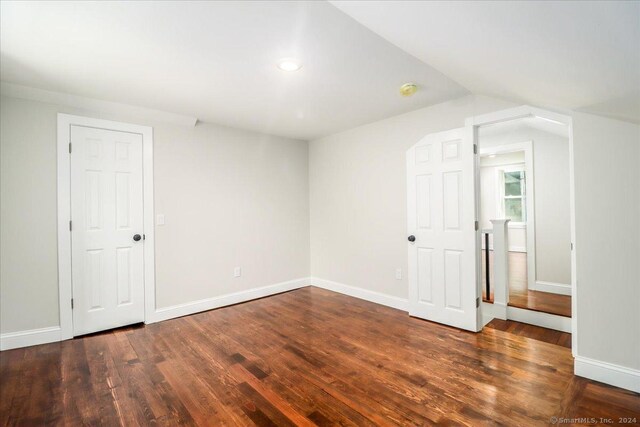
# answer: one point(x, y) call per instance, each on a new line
point(441, 230)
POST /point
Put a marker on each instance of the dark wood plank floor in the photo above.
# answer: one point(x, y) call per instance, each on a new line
point(525, 330)
point(519, 294)
point(307, 357)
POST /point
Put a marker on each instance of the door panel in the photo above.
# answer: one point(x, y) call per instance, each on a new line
point(106, 212)
point(441, 216)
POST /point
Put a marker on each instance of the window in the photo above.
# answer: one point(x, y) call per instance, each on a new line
point(514, 195)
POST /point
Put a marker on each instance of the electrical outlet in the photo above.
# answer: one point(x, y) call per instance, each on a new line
point(398, 274)
point(160, 219)
point(237, 272)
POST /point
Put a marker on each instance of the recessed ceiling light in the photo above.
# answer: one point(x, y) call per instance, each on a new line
point(289, 64)
point(492, 155)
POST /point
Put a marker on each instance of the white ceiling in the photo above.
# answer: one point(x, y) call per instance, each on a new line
point(521, 125)
point(216, 61)
point(567, 54)
point(501, 158)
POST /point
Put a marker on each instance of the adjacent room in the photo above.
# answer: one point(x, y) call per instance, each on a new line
point(319, 213)
point(524, 177)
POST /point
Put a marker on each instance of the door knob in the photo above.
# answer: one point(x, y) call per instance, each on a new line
point(412, 238)
point(137, 237)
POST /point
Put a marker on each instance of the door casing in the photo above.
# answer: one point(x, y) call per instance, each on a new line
point(471, 129)
point(65, 121)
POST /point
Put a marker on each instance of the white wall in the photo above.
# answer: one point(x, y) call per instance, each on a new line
point(230, 197)
point(607, 197)
point(358, 217)
point(358, 195)
point(489, 196)
point(28, 221)
point(552, 206)
point(358, 213)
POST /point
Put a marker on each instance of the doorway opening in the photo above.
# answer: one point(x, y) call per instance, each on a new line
point(525, 205)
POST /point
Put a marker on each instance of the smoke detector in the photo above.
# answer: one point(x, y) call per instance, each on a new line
point(408, 89)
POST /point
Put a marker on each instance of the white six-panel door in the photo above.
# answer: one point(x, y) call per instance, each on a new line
point(106, 214)
point(441, 218)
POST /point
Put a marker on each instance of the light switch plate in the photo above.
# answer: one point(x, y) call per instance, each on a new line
point(237, 272)
point(160, 219)
point(398, 274)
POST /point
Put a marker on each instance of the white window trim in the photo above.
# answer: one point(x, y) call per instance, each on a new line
point(500, 196)
point(65, 121)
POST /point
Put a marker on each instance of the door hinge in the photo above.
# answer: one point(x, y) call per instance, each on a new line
point(476, 225)
point(70, 225)
point(571, 245)
point(69, 148)
point(475, 148)
point(71, 303)
point(477, 302)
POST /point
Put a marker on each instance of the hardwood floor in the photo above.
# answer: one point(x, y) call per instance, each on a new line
point(537, 333)
point(520, 296)
point(306, 357)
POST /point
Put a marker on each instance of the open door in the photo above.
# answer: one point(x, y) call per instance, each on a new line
point(441, 229)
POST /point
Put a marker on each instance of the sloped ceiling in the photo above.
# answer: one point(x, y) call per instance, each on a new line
point(523, 124)
point(580, 55)
point(216, 61)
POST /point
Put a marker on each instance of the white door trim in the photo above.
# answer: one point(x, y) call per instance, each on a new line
point(65, 121)
point(472, 124)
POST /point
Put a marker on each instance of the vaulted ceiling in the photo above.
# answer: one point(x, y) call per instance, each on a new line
point(578, 55)
point(217, 60)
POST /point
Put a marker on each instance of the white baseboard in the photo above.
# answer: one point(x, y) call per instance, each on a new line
point(30, 337)
point(192, 307)
point(52, 334)
point(538, 318)
point(608, 373)
point(367, 295)
point(492, 311)
point(551, 287)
